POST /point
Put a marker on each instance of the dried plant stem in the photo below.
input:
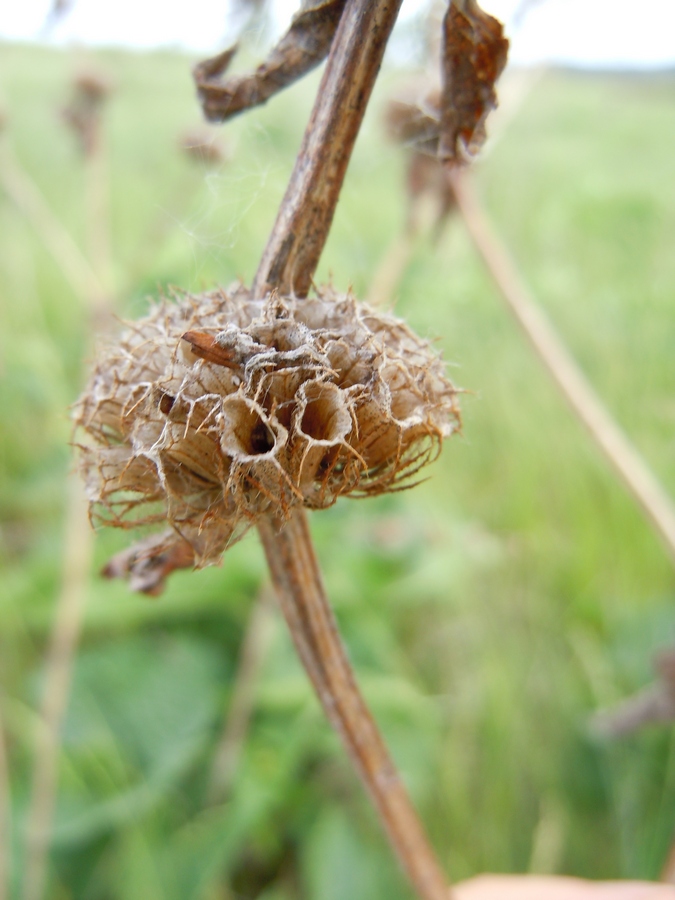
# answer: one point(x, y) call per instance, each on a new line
point(306, 213)
point(98, 216)
point(94, 283)
point(58, 673)
point(627, 462)
point(288, 263)
point(252, 653)
point(28, 199)
point(299, 586)
point(424, 212)
point(390, 270)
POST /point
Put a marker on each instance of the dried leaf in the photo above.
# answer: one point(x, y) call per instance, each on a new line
point(474, 55)
point(84, 111)
point(148, 563)
point(303, 47)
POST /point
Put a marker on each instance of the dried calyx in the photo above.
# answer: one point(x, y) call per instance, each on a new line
point(219, 409)
point(447, 120)
point(83, 113)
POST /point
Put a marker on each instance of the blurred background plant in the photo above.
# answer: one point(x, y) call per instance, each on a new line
point(487, 614)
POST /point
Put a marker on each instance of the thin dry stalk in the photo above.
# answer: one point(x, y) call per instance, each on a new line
point(58, 674)
point(28, 199)
point(627, 462)
point(78, 547)
point(306, 213)
point(390, 270)
point(5, 817)
point(98, 215)
point(303, 601)
point(252, 654)
point(424, 212)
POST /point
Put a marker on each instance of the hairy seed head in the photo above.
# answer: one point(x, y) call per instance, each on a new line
point(218, 409)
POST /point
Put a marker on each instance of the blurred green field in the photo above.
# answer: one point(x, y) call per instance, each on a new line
point(488, 612)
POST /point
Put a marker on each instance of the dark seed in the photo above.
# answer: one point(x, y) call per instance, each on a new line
point(166, 403)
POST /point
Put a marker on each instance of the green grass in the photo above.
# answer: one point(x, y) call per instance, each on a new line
point(488, 613)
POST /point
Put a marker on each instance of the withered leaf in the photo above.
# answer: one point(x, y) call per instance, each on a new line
point(473, 57)
point(147, 564)
point(303, 47)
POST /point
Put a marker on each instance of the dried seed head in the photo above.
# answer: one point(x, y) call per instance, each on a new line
point(219, 409)
point(90, 89)
point(201, 146)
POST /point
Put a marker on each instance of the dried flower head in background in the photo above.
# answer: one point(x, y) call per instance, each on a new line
point(412, 119)
point(448, 120)
point(201, 146)
point(219, 409)
point(90, 90)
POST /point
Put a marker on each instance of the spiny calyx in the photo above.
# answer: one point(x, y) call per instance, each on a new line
point(218, 409)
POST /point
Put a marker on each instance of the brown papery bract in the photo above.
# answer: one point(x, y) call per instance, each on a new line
point(218, 409)
point(473, 57)
point(301, 49)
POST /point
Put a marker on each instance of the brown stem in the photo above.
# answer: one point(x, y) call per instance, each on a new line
point(288, 263)
point(97, 203)
point(303, 600)
point(304, 219)
point(624, 457)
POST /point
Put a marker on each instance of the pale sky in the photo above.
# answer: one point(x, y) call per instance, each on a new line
point(581, 32)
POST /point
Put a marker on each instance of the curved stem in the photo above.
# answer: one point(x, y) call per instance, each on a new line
point(303, 601)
